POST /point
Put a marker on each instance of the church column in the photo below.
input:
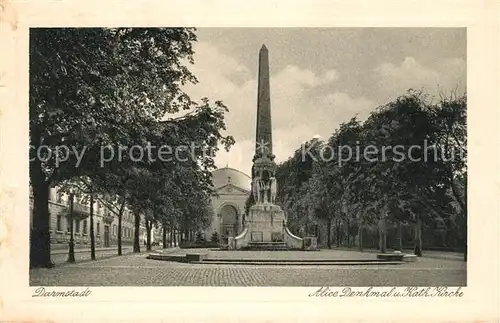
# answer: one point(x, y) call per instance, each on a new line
point(237, 226)
point(240, 222)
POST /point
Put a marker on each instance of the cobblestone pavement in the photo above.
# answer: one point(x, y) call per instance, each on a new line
point(136, 270)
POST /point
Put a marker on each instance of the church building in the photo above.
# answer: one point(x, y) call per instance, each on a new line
point(232, 188)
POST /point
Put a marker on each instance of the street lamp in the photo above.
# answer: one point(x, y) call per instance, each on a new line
point(71, 256)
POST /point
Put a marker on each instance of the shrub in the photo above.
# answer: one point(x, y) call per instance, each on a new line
point(194, 245)
point(215, 237)
point(200, 238)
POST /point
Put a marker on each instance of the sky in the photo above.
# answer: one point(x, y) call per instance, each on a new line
point(319, 77)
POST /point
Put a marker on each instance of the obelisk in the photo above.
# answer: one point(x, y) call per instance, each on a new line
point(265, 225)
point(263, 139)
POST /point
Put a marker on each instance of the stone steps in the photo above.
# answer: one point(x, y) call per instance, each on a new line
point(201, 258)
point(265, 249)
point(247, 260)
point(397, 256)
point(298, 263)
point(270, 246)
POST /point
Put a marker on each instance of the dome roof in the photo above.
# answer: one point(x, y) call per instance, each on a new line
point(227, 175)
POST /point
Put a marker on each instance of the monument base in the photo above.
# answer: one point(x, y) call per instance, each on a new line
point(265, 228)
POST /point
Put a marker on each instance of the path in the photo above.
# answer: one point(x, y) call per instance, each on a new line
point(137, 270)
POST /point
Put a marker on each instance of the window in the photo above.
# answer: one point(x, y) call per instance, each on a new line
point(77, 226)
point(85, 226)
point(114, 229)
point(58, 197)
point(59, 218)
point(98, 228)
point(68, 224)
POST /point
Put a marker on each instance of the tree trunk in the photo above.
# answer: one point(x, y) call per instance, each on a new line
point(464, 230)
point(175, 237)
point(71, 255)
point(348, 233)
point(400, 237)
point(137, 226)
point(171, 237)
point(337, 226)
point(382, 235)
point(418, 238)
point(92, 238)
point(120, 219)
point(360, 237)
point(461, 201)
point(40, 232)
point(164, 236)
point(320, 236)
point(329, 237)
point(149, 224)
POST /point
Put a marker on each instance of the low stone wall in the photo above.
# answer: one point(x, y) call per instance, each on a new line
point(241, 241)
point(293, 241)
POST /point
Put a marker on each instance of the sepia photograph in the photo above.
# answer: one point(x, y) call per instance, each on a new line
point(291, 157)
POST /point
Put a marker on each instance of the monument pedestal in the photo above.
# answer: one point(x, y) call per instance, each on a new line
point(266, 222)
point(265, 227)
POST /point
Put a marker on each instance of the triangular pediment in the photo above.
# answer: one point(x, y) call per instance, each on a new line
point(230, 189)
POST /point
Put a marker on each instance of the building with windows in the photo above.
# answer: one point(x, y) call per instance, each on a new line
point(232, 190)
point(105, 221)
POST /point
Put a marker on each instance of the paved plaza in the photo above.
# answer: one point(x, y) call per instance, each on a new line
point(137, 270)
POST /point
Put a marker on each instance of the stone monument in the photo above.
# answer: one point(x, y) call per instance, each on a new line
point(265, 225)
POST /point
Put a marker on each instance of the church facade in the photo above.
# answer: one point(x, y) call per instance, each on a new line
point(232, 189)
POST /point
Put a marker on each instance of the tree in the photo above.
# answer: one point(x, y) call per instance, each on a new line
point(450, 115)
point(83, 187)
point(94, 88)
point(399, 184)
point(71, 254)
point(293, 191)
point(339, 171)
point(90, 88)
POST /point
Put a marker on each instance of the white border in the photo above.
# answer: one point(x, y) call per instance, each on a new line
point(252, 304)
